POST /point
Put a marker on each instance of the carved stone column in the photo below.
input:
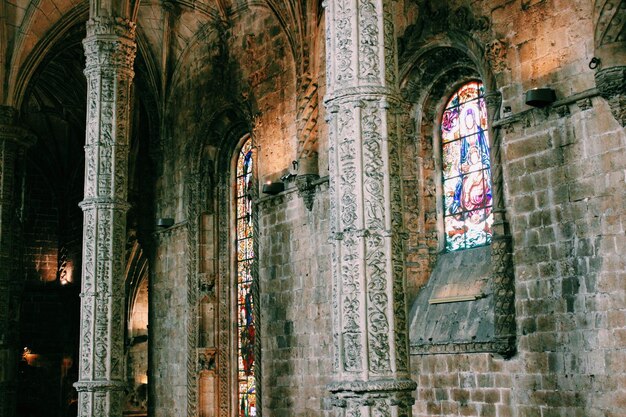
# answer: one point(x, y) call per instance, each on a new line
point(610, 49)
point(369, 306)
point(110, 51)
point(502, 272)
point(12, 140)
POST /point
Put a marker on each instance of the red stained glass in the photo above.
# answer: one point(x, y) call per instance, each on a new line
point(246, 384)
point(466, 169)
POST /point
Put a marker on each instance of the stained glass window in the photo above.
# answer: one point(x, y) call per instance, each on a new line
point(466, 169)
point(245, 258)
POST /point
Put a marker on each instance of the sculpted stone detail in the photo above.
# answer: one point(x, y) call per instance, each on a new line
point(206, 361)
point(369, 316)
point(375, 218)
point(110, 51)
point(343, 40)
point(369, 65)
point(193, 185)
point(611, 83)
point(495, 54)
point(610, 22)
point(502, 272)
point(306, 189)
point(437, 18)
point(610, 50)
point(390, 63)
point(223, 289)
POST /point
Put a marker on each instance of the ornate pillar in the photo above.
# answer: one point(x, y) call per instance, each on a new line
point(502, 271)
point(110, 51)
point(369, 307)
point(12, 140)
point(610, 50)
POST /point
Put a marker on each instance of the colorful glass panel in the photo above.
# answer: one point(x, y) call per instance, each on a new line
point(245, 306)
point(466, 169)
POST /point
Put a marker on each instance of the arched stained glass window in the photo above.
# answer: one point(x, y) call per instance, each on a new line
point(244, 262)
point(466, 169)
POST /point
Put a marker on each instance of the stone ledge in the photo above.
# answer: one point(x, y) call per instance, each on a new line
point(380, 385)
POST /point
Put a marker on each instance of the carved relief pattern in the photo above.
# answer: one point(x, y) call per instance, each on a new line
point(366, 220)
point(329, 16)
point(224, 302)
point(375, 217)
point(343, 39)
point(331, 120)
point(308, 101)
point(192, 292)
point(397, 237)
point(610, 21)
point(350, 291)
point(391, 69)
point(110, 51)
point(369, 65)
point(502, 272)
point(495, 53)
point(503, 288)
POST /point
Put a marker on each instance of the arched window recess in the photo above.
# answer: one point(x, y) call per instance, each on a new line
point(462, 299)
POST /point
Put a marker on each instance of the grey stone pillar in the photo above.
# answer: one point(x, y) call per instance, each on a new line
point(369, 307)
point(12, 140)
point(110, 51)
point(610, 49)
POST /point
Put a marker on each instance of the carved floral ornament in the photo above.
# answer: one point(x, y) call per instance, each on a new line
point(111, 26)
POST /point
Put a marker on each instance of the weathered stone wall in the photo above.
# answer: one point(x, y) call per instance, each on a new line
point(232, 80)
point(564, 191)
point(168, 307)
point(296, 332)
point(565, 197)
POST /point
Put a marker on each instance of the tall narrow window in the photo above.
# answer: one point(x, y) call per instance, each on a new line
point(466, 169)
point(244, 261)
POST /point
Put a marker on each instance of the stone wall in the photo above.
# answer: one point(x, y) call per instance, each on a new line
point(167, 376)
point(230, 81)
point(294, 274)
point(217, 80)
point(564, 195)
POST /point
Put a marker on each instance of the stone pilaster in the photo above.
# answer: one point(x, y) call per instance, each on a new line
point(502, 272)
point(610, 49)
point(110, 50)
point(12, 140)
point(369, 306)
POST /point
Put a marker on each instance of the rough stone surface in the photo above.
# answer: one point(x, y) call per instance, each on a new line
point(210, 72)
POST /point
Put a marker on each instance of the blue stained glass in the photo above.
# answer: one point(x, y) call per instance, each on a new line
point(246, 384)
point(466, 169)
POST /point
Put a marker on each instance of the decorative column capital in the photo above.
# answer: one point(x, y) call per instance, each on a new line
point(111, 26)
point(110, 45)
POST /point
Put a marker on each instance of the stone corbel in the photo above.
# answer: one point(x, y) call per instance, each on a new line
point(611, 83)
point(305, 180)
